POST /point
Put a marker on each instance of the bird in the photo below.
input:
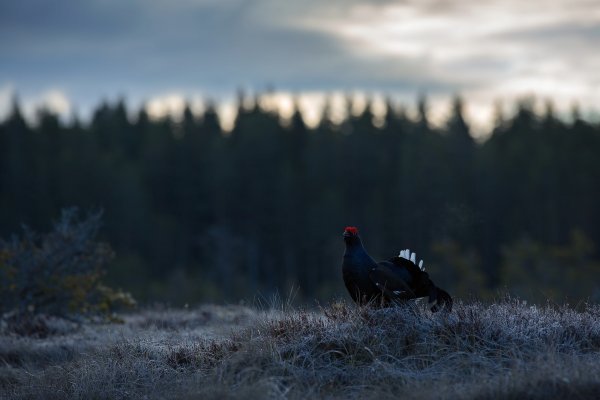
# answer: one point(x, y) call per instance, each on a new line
point(387, 282)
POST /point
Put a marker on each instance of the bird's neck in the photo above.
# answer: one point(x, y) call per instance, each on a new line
point(355, 248)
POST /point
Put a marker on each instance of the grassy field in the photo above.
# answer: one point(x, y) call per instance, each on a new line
point(508, 350)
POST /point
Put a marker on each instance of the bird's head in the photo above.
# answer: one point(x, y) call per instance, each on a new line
point(351, 235)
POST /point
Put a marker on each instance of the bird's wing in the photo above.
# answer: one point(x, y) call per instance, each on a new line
point(394, 282)
point(410, 266)
point(402, 275)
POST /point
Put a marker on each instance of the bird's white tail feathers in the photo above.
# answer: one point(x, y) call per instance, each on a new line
point(411, 257)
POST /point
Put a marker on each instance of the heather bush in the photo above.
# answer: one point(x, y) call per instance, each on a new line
point(56, 274)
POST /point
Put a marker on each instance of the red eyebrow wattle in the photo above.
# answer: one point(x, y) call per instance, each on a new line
point(352, 229)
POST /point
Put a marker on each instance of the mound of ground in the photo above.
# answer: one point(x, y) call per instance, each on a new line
point(507, 350)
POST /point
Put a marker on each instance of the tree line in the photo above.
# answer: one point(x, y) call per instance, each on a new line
point(195, 213)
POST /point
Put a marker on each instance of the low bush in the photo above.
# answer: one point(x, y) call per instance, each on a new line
point(56, 274)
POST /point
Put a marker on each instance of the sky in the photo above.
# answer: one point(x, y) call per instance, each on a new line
point(71, 55)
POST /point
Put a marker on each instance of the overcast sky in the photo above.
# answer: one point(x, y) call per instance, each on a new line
point(70, 55)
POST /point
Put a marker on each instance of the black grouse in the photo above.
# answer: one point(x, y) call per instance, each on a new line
point(387, 282)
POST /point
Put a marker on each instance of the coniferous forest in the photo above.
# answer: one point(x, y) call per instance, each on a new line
point(194, 213)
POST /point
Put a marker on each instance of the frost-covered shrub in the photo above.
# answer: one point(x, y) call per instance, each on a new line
point(58, 273)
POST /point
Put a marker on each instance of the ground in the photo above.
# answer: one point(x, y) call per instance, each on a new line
point(506, 350)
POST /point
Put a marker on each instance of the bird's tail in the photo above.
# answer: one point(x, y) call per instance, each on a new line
point(412, 257)
point(438, 297)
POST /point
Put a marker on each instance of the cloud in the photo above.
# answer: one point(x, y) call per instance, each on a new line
point(53, 100)
point(484, 50)
point(174, 104)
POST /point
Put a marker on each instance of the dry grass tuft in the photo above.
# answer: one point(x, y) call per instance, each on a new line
point(507, 350)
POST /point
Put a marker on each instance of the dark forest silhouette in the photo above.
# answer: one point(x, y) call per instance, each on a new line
point(196, 214)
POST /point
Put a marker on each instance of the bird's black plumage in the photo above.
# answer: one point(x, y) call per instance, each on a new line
point(386, 282)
